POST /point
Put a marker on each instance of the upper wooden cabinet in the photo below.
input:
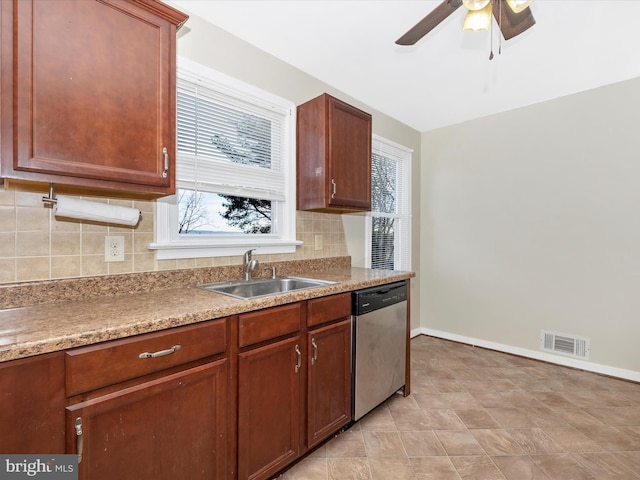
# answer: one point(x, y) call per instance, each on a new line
point(333, 156)
point(88, 93)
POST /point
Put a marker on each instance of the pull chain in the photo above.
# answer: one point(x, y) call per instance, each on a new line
point(491, 40)
point(500, 25)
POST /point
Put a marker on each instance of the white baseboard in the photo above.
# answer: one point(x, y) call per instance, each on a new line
point(523, 352)
point(417, 331)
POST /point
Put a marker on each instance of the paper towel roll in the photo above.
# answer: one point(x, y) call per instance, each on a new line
point(98, 212)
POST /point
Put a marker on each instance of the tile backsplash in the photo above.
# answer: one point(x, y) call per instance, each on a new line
point(34, 245)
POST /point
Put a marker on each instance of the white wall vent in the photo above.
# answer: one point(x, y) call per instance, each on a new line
point(564, 344)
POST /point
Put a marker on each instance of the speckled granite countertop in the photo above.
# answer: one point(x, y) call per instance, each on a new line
point(106, 311)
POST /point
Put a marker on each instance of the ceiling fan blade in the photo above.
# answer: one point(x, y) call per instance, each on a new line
point(428, 23)
point(512, 24)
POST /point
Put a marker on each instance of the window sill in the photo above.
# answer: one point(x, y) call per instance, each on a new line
point(199, 249)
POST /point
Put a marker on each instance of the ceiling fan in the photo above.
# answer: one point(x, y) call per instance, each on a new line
point(513, 17)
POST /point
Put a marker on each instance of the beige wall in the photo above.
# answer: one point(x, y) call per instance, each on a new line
point(531, 220)
point(35, 246)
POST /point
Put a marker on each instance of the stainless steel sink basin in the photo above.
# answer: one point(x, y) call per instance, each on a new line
point(248, 289)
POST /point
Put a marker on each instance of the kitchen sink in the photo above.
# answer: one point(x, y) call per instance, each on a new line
point(261, 287)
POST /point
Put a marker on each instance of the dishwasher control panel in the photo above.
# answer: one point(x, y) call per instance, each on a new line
point(380, 296)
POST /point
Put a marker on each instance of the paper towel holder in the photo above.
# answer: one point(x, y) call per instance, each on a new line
point(51, 199)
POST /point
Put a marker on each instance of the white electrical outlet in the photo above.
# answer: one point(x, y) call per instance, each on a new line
point(114, 248)
point(318, 242)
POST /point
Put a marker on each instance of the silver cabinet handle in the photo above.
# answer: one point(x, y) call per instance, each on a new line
point(299, 364)
point(78, 426)
point(161, 353)
point(333, 183)
point(315, 351)
point(165, 154)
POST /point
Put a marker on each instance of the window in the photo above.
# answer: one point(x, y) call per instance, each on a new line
point(389, 223)
point(235, 173)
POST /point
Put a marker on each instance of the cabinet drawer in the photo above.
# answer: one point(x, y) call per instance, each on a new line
point(270, 323)
point(325, 309)
point(95, 366)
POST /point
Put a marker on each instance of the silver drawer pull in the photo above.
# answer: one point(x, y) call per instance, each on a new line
point(161, 353)
point(314, 358)
point(299, 354)
point(78, 425)
point(165, 156)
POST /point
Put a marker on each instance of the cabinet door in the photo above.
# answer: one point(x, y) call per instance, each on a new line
point(93, 96)
point(333, 152)
point(32, 405)
point(172, 427)
point(349, 156)
point(329, 384)
point(269, 408)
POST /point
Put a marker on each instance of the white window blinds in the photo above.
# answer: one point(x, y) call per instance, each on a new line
point(228, 143)
point(390, 218)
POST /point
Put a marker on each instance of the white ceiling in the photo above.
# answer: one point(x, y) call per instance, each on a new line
point(446, 78)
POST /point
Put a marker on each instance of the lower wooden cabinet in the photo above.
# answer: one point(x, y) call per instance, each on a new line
point(32, 405)
point(329, 381)
point(152, 406)
point(269, 379)
point(235, 398)
point(167, 428)
point(294, 382)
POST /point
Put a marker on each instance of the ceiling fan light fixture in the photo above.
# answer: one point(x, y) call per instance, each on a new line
point(478, 20)
point(518, 5)
point(475, 4)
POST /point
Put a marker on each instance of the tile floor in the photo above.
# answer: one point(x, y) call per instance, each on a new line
point(484, 415)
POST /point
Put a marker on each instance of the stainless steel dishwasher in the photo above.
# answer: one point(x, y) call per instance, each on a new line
point(379, 345)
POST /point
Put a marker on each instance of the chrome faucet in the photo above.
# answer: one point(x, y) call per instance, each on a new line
point(273, 270)
point(250, 264)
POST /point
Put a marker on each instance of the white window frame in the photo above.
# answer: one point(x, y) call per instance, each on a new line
point(402, 249)
point(169, 244)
